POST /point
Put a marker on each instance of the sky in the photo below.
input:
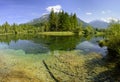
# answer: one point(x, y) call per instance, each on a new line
point(22, 11)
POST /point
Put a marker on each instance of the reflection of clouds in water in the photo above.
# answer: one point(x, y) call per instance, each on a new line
point(87, 47)
point(28, 46)
point(3, 45)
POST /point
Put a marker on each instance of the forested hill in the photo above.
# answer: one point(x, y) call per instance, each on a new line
point(45, 18)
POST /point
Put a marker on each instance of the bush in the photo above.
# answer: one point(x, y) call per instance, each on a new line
point(113, 44)
point(77, 30)
point(102, 43)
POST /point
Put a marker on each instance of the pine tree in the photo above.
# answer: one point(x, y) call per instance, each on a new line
point(53, 21)
point(14, 26)
point(6, 27)
point(60, 20)
point(66, 22)
point(75, 21)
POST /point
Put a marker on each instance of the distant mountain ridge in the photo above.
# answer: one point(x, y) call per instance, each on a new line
point(45, 18)
point(41, 19)
point(99, 24)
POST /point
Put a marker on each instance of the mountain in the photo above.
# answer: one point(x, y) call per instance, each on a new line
point(45, 18)
point(99, 24)
point(83, 22)
point(41, 19)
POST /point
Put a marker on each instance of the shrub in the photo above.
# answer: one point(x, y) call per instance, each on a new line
point(113, 44)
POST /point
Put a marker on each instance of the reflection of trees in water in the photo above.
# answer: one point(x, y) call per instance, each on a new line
point(59, 42)
point(51, 42)
point(8, 38)
point(88, 37)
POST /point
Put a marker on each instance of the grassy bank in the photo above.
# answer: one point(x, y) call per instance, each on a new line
point(64, 33)
point(57, 33)
point(45, 33)
point(100, 34)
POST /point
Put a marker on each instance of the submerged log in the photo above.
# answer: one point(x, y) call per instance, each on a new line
point(51, 74)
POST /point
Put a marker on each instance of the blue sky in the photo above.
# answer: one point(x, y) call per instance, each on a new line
point(21, 11)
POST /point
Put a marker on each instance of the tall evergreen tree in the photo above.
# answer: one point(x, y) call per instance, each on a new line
point(6, 27)
point(53, 21)
point(60, 20)
point(75, 20)
point(66, 22)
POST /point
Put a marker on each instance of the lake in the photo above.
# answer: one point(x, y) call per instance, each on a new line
point(38, 58)
point(37, 44)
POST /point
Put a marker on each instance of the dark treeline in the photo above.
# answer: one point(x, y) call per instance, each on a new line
point(61, 21)
point(6, 28)
point(15, 28)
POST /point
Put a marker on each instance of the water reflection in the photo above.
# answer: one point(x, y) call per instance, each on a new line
point(88, 47)
point(28, 46)
point(42, 44)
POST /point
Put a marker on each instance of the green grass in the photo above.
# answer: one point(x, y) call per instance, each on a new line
point(100, 34)
point(57, 33)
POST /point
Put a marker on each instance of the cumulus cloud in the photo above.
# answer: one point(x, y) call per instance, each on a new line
point(44, 13)
point(88, 13)
point(106, 12)
point(56, 8)
point(109, 11)
point(103, 12)
point(109, 19)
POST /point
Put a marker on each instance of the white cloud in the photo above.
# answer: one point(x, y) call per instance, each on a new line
point(106, 12)
point(88, 13)
point(56, 8)
point(109, 11)
point(44, 13)
point(103, 12)
point(109, 19)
